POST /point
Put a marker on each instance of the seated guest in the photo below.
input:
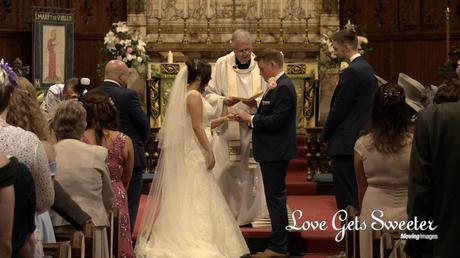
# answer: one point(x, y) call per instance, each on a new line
point(24, 211)
point(72, 89)
point(24, 112)
point(82, 171)
point(382, 162)
point(7, 199)
point(25, 146)
point(102, 118)
point(448, 92)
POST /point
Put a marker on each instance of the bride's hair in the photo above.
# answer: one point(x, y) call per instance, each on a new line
point(198, 70)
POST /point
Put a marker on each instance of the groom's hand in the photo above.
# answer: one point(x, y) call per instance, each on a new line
point(244, 116)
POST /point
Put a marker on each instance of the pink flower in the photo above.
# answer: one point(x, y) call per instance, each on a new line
point(129, 50)
point(272, 83)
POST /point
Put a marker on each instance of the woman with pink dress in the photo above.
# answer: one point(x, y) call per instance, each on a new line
point(102, 129)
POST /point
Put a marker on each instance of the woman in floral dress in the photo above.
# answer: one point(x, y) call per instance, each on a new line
point(102, 129)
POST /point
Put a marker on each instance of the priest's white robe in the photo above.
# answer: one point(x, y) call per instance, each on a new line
point(236, 171)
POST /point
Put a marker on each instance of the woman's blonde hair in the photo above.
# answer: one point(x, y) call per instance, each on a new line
point(24, 112)
point(26, 85)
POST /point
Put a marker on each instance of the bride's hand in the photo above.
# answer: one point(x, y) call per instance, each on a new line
point(231, 117)
point(210, 160)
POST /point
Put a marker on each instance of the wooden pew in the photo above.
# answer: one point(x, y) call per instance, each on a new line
point(57, 250)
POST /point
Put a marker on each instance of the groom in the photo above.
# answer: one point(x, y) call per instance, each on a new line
point(274, 144)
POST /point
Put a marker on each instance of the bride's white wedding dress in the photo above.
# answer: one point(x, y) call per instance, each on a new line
point(193, 219)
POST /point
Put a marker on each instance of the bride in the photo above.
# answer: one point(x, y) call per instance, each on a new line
point(186, 214)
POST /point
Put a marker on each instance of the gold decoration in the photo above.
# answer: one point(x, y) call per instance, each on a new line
point(296, 69)
point(154, 88)
point(169, 69)
point(309, 100)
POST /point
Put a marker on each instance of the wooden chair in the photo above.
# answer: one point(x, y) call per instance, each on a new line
point(112, 232)
point(57, 250)
point(88, 231)
point(77, 244)
point(351, 237)
point(391, 245)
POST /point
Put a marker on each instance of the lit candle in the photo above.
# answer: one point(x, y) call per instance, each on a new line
point(185, 8)
point(208, 8)
point(159, 8)
point(258, 9)
point(170, 57)
point(281, 8)
point(306, 8)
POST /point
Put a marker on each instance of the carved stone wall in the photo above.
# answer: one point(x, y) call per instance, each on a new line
point(164, 20)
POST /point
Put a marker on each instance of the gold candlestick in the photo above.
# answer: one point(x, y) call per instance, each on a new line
point(159, 41)
point(281, 41)
point(447, 32)
point(185, 39)
point(208, 38)
point(306, 40)
point(258, 40)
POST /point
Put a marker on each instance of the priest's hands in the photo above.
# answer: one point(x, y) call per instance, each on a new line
point(230, 101)
point(251, 103)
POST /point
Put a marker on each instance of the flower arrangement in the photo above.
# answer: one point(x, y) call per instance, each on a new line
point(334, 61)
point(125, 44)
point(7, 75)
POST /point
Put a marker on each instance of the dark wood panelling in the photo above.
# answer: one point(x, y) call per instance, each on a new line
point(406, 35)
point(92, 21)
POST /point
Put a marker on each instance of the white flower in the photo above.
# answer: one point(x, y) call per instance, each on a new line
point(124, 59)
point(139, 59)
point(362, 40)
point(141, 43)
point(343, 66)
point(141, 49)
point(119, 58)
point(129, 57)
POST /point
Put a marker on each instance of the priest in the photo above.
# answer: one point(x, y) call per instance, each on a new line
point(236, 84)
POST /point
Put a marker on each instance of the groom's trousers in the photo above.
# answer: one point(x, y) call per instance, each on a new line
point(273, 174)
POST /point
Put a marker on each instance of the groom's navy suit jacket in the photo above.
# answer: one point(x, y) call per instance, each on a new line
point(274, 132)
point(133, 121)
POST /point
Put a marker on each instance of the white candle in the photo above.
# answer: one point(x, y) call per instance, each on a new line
point(208, 8)
point(159, 8)
point(258, 9)
point(306, 8)
point(170, 57)
point(281, 8)
point(185, 8)
point(149, 71)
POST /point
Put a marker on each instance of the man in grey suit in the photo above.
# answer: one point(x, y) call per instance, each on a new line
point(350, 107)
